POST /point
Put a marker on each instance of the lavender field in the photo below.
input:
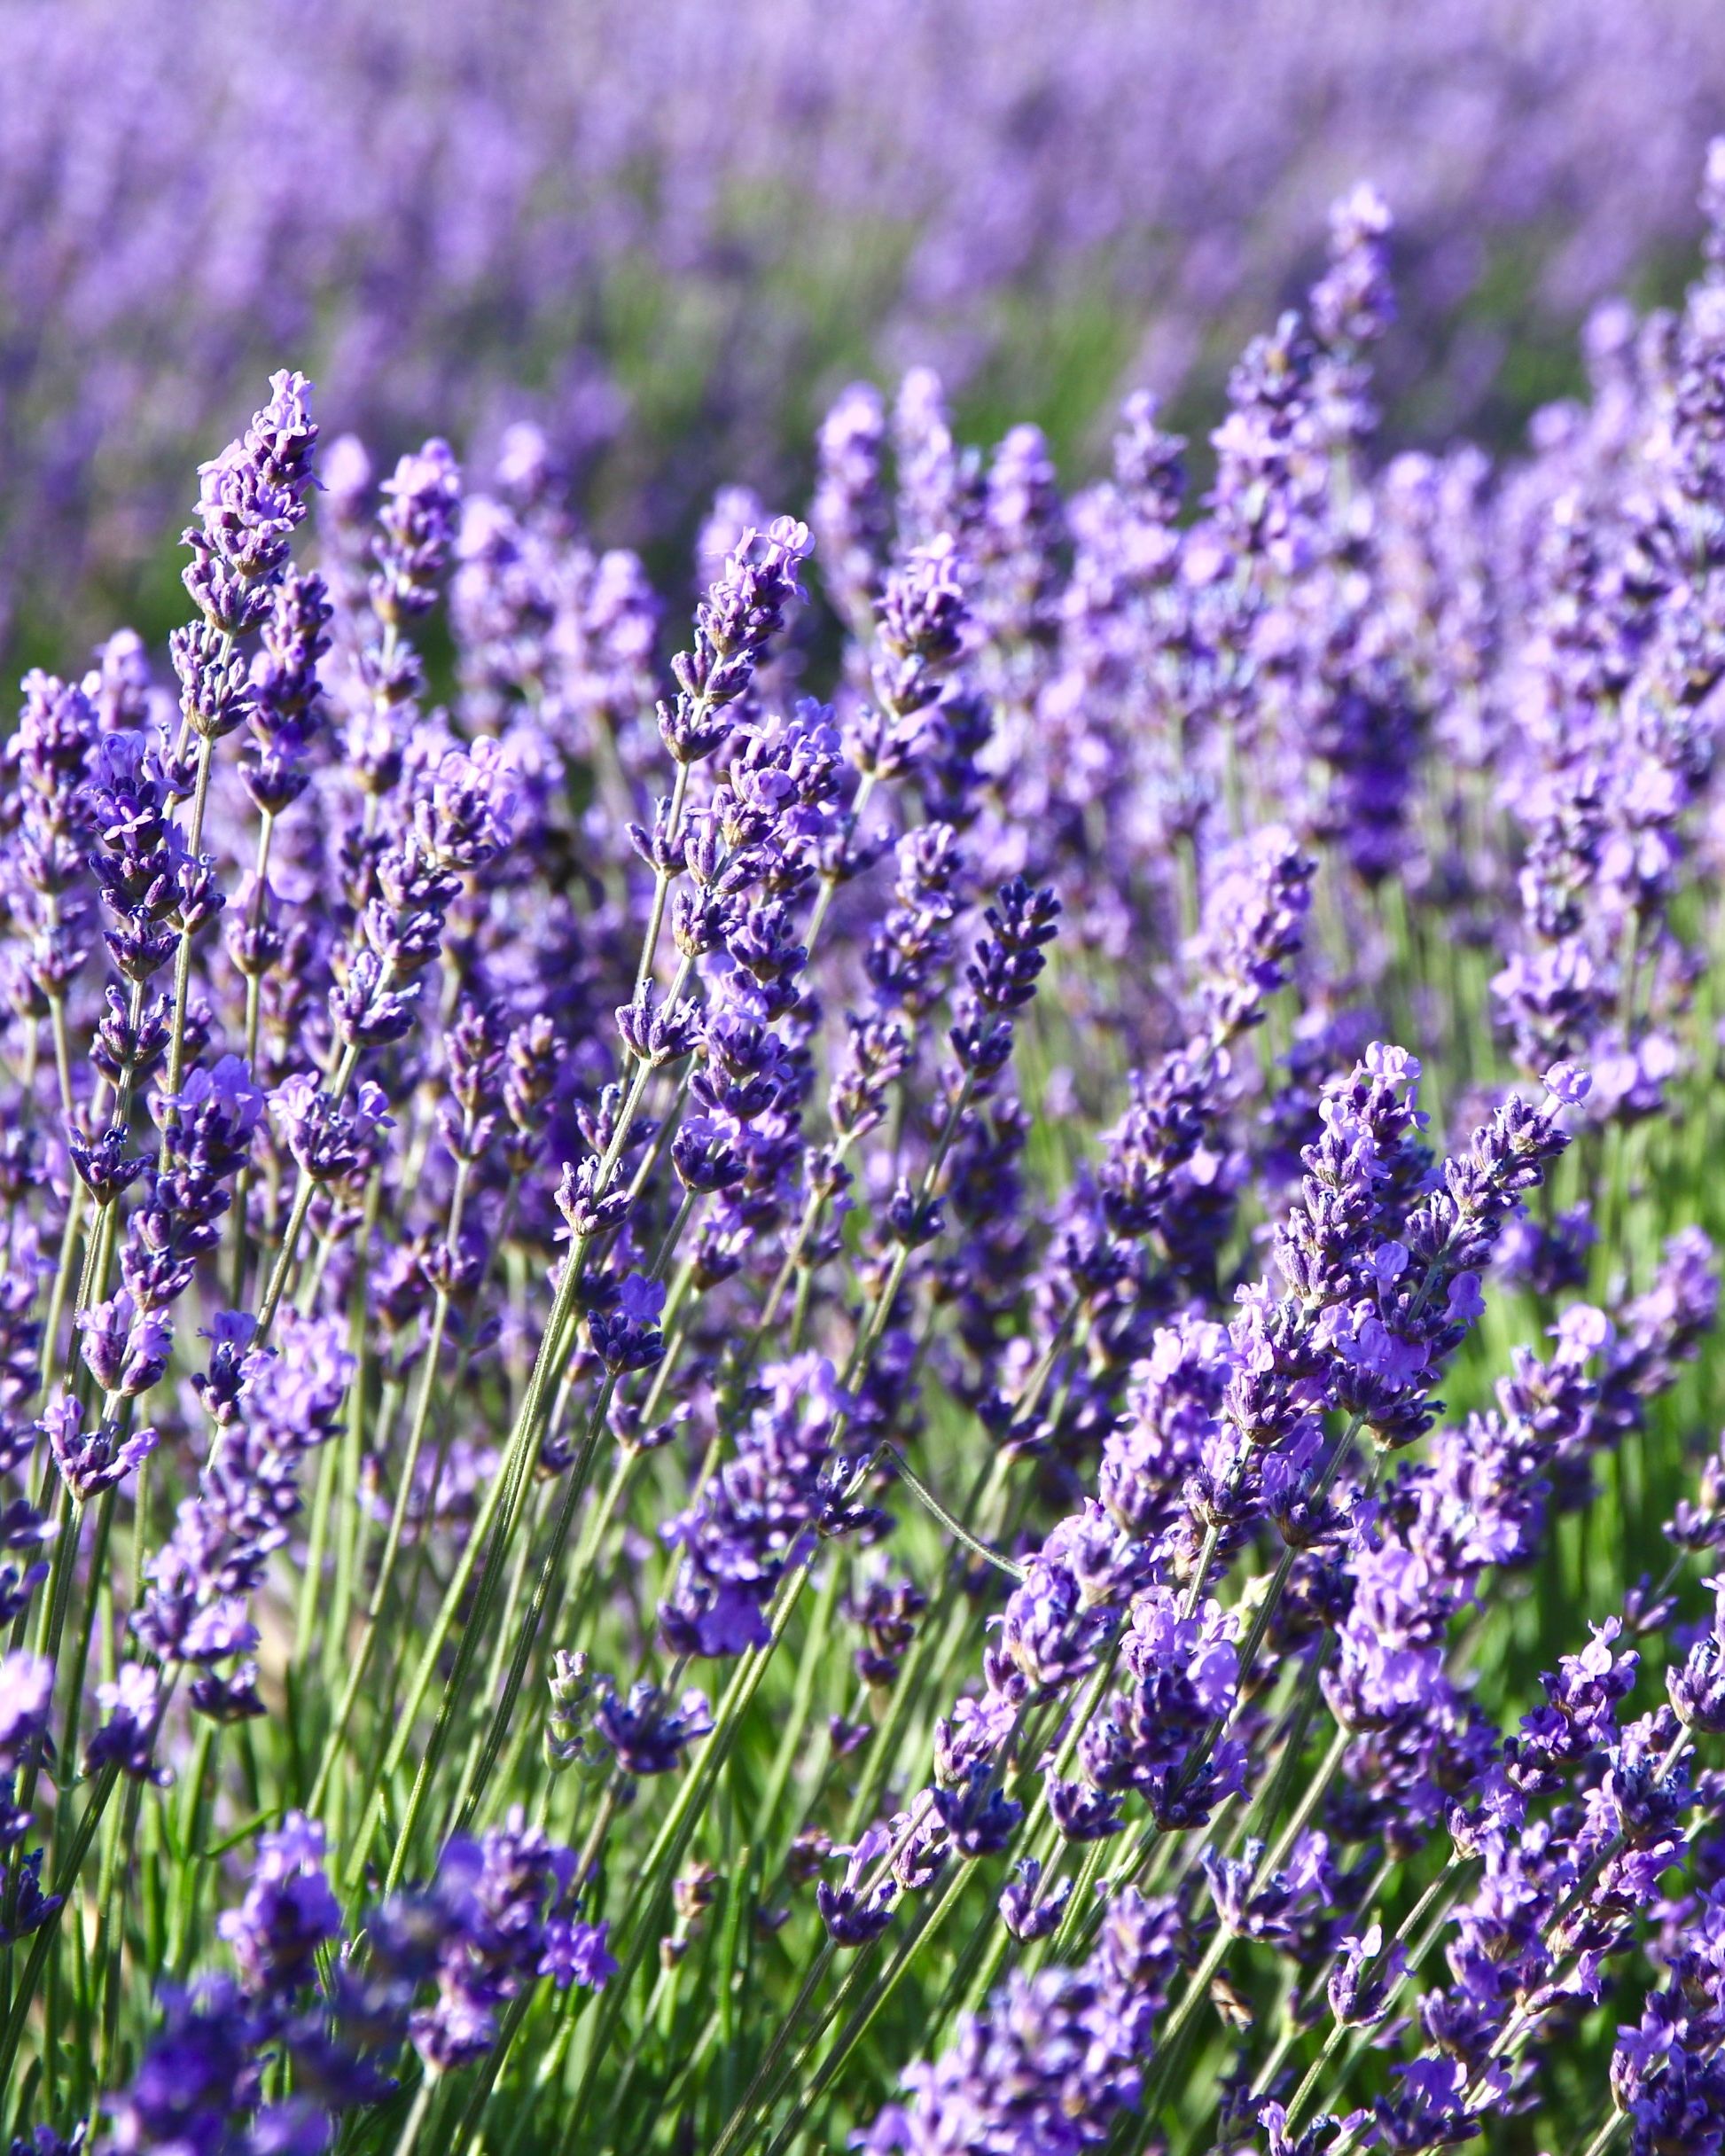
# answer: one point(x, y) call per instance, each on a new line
point(861, 1081)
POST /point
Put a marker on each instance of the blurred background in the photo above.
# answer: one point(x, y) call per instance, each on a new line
point(669, 230)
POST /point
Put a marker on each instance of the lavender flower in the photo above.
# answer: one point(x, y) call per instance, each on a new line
point(861, 1907)
point(736, 621)
point(757, 1517)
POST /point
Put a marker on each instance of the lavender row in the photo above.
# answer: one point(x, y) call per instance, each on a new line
point(459, 216)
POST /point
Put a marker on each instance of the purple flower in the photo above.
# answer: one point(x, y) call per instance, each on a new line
point(577, 1954)
point(734, 625)
point(93, 1460)
point(1050, 1630)
point(422, 497)
point(463, 807)
point(861, 1907)
point(207, 1126)
point(1361, 1989)
point(1252, 1904)
point(203, 2068)
point(1153, 1736)
point(977, 1815)
point(1171, 1413)
point(920, 624)
point(490, 1909)
point(757, 1516)
point(1698, 1686)
point(1430, 2111)
point(647, 1734)
point(626, 1336)
point(289, 1912)
point(26, 1686)
point(1254, 929)
point(279, 1405)
point(1027, 1913)
point(886, 1612)
point(126, 1350)
point(250, 499)
point(850, 513)
point(127, 1738)
point(331, 1141)
point(1054, 2060)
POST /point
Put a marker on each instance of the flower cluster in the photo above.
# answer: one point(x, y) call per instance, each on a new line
point(826, 1222)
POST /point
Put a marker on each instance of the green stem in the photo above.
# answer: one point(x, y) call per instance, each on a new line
point(1197, 1992)
point(635, 1923)
point(407, 2140)
point(183, 955)
point(662, 880)
point(868, 2012)
point(253, 1010)
point(527, 1634)
point(380, 1596)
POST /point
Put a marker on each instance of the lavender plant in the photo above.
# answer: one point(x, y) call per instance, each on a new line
point(931, 1369)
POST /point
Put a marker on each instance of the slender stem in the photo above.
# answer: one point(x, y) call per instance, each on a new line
point(959, 1533)
point(999, 1939)
point(1607, 2133)
point(662, 879)
point(764, 2074)
point(802, 1703)
point(491, 1533)
point(253, 1012)
point(62, 1056)
point(50, 1625)
point(42, 1945)
point(183, 956)
point(859, 1961)
point(1339, 2034)
point(1206, 1555)
point(1197, 1992)
point(407, 2140)
point(874, 2000)
point(75, 1205)
point(527, 1633)
point(380, 1596)
point(636, 1923)
point(830, 882)
point(74, 1683)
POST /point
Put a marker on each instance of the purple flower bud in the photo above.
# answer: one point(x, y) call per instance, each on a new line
point(855, 1913)
point(1362, 1986)
point(104, 1166)
point(1026, 1913)
point(422, 498)
point(463, 807)
point(126, 1348)
point(288, 1914)
point(647, 1735)
point(92, 1461)
point(739, 616)
point(625, 1337)
point(657, 1032)
point(365, 1009)
point(978, 1815)
point(332, 1142)
point(1696, 1687)
point(127, 1738)
point(577, 1954)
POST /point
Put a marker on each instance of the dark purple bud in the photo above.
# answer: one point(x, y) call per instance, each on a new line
point(855, 1912)
point(657, 1032)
